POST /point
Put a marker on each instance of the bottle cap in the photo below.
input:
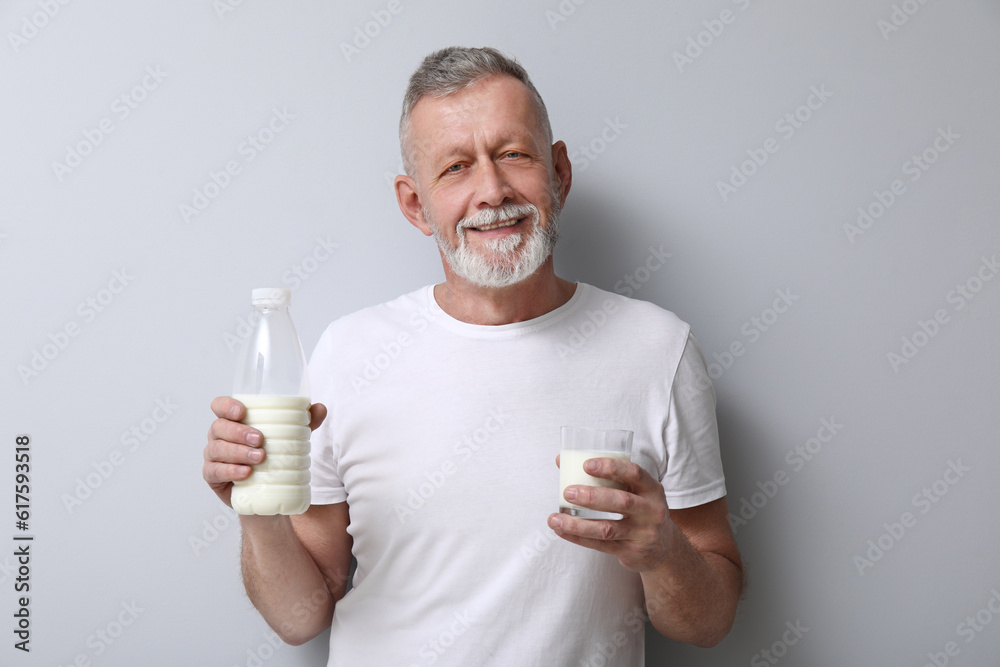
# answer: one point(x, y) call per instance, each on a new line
point(274, 297)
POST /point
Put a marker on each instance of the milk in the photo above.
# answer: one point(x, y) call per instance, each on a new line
point(280, 483)
point(571, 472)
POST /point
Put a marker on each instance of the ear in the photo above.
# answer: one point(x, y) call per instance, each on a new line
point(563, 169)
point(409, 203)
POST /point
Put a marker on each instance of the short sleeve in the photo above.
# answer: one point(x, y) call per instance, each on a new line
point(694, 474)
point(324, 479)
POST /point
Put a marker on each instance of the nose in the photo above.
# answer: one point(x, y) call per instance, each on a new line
point(492, 188)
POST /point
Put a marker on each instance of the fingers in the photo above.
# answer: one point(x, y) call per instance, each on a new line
point(230, 411)
point(227, 407)
point(227, 427)
point(222, 474)
point(640, 538)
point(611, 537)
point(226, 451)
point(227, 462)
point(230, 431)
point(630, 474)
point(227, 459)
point(604, 499)
point(232, 447)
point(642, 500)
point(317, 413)
point(637, 547)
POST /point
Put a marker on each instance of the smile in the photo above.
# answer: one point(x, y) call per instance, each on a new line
point(499, 225)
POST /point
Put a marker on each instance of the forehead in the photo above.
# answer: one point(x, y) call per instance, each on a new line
point(494, 109)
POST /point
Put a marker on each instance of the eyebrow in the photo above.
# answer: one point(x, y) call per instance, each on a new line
point(524, 140)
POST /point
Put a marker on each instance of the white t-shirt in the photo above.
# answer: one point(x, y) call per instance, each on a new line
point(442, 438)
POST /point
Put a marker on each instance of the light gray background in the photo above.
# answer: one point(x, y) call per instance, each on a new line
point(650, 181)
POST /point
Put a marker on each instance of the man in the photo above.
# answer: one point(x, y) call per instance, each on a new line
point(437, 471)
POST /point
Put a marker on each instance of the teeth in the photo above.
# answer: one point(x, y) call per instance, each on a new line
point(508, 223)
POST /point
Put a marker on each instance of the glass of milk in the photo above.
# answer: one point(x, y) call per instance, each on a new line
point(580, 443)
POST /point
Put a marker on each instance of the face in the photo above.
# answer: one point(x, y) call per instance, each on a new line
point(489, 186)
point(505, 260)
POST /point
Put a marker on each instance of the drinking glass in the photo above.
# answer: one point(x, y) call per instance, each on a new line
point(580, 443)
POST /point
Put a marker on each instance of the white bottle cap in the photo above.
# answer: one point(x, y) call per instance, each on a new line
point(275, 297)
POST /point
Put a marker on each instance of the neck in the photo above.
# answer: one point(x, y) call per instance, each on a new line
point(538, 294)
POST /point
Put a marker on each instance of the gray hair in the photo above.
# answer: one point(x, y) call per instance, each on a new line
point(456, 67)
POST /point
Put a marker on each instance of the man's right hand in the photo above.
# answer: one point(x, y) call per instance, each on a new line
point(288, 562)
point(233, 448)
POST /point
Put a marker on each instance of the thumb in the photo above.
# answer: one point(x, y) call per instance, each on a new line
point(317, 413)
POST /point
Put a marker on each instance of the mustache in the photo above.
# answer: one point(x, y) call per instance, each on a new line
point(491, 216)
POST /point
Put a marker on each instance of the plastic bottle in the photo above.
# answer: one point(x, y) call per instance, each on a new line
point(273, 383)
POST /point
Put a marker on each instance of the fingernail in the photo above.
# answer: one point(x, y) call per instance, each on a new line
point(591, 465)
point(556, 522)
point(253, 438)
point(255, 456)
point(570, 493)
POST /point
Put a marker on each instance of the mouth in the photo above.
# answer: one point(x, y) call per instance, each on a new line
point(499, 225)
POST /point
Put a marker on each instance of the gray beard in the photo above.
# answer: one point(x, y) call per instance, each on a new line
point(501, 264)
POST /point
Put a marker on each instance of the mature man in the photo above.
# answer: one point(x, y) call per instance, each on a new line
point(439, 473)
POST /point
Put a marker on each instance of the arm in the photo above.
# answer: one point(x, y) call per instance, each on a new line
point(690, 566)
point(294, 568)
point(692, 596)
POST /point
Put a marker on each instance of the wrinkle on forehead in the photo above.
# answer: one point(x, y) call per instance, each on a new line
point(450, 114)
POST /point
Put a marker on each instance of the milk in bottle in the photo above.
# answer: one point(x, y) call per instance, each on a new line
point(273, 383)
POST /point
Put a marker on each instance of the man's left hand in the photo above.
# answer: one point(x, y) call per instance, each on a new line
point(642, 538)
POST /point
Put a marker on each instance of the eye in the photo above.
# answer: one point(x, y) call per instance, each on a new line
point(453, 169)
point(515, 154)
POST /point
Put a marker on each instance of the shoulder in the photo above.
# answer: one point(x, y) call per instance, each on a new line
point(642, 320)
point(381, 323)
